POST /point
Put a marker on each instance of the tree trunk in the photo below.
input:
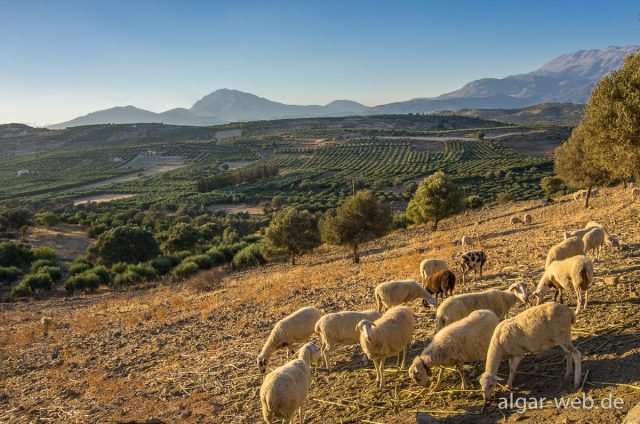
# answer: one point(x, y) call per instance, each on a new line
point(293, 259)
point(356, 254)
point(624, 183)
point(435, 225)
point(586, 199)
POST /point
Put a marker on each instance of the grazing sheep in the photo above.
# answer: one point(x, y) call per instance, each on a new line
point(387, 336)
point(527, 218)
point(466, 241)
point(285, 389)
point(635, 192)
point(516, 220)
point(535, 330)
point(576, 272)
point(294, 328)
point(338, 329)
point(579, 195)
point(441, 283)
point(472, 260)
point(46, 325)
point(392, 293)
point(464, 341)
point(572, 246)
point(457, 307)
point(595, 239)
point(428, 267)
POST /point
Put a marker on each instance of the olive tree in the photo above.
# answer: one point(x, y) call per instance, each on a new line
point(293, 232)
point(437, 197)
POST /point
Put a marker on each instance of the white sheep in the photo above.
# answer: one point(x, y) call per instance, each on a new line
point(387, 336)
point(46, 325)
point(285, 389)
point(466, 340)
point(499, 302)
point(635, 192)
point(576, 272)
point(515, 220)
point(466, 241)
point(595, 239)
point(579, 195)
point(338, 329)
point(527, 218)
point(392, 293)
point(572, 246)
point(428, 267)
point(535, 330)
point(294, 328)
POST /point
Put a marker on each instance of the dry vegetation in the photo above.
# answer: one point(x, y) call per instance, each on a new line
point(187, 353)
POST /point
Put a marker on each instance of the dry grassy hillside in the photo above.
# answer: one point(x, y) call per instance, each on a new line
point(187, 353)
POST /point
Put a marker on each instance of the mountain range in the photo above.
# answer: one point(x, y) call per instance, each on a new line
point(566, 79)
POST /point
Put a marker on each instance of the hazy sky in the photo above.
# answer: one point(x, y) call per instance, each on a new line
point(60, 59)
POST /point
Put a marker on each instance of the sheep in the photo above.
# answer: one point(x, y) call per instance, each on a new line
point(392, 293)
point(387, 336)
point(441, 284)
point(428, 267)
point(499, 301)
point(472, 260)
point(515, 220)
point(285, 389)
point(338, 329)
point(294, 328)
point(635, 192)
point(579, 195)
point(464, 341)
point(572, 246)
point(595, 239)
point(527, 218)
point(46, 325)
point(466, 241)
point(576, 272)
point(535, 330)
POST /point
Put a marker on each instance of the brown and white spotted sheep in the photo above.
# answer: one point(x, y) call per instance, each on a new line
point(472, 260)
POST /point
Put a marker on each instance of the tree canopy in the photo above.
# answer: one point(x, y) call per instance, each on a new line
point(436, 198)
point(293, 232)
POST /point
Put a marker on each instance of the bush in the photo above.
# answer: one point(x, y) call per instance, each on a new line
point(400, 220)
point(45, 252)
point(78, 268)
point(127, 278)
point(13, 253)
point(185, 269)
point(473, 202)
point(102, 273)
point(87, 281)
point(217, 256)
point(163, 264)
point(203, 261)
point(9, 273)
point(47, 219)
point(53, 271)
point(182, 254)
point(39, 281)
point(248, 257)
point(181, 237)
point(22, 289)
point(40, 263)
point(504, 197)
point(119, 268)
point(126, 244)
point(145, 271)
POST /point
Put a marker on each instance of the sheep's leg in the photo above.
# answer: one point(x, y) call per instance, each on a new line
point(404, 357)
point(377, 367)
point(569, 357)
point(435, 388)
point(570, 350)
point(300, 415)
point(585, 300)
point(381, 368)
point(461, 372)
point(514, 361)
point(578, 301)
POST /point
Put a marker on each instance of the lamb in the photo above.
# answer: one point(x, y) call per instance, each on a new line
point(635, 192)
point(392, 293)
point(535, 330)
point(285, 389)
point(46, 325)
point(464, 341)
point(428, 267)
point(387, 336)
point(472, 260)
point(516, 220)
point(466, 241)
point(294, 328)
point(498, 301)
point(576, 272)
point(572, 246)
point(527, 218)
point(441, 284)
point(338, 329)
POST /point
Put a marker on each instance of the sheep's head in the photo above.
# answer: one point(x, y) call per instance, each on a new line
point(429, 300)
point(566, 235)
point(613, 241)
point(310, 353)
point(364, 328)
point(420, 372)
point(520, 290)
point(262, 363)
point(488, 383)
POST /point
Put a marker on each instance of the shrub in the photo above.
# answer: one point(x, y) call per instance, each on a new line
point(127, 278)
point(102, 273)
point(10, 273)
point(53, 271)
point(504, 197)
point(13, 253)
point(22, 289)
point(119, 268)
point(45, 252)
point(145, 271)
point(87, 281)
point(78, 268)
point(181, 237)
point(40, 263)
point(126, 244)
point(185, 269)
point(203, 261)
point(163, 264)
point(182, 254)
point(39, 281)
point(473, 202)
point(217, 256)
point(47, 219)
point(248, 257)
point(400, 220)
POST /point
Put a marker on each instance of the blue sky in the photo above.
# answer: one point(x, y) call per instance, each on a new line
point(60, 59)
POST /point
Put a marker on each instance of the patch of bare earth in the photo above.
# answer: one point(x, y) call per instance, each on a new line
point(70, 241)
point(186, 353)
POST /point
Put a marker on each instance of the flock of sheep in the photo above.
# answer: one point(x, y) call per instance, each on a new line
point(469, 327)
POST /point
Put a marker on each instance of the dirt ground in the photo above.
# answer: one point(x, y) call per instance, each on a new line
point(186, 353)
point(101, 198)
point(70, 241)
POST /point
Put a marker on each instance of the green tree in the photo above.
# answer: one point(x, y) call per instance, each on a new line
point(293, 232)
point(359, 219)
point(16, 218)
point(126, 244)
point(181, 236)
point(550, 185)
point(436, 198)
